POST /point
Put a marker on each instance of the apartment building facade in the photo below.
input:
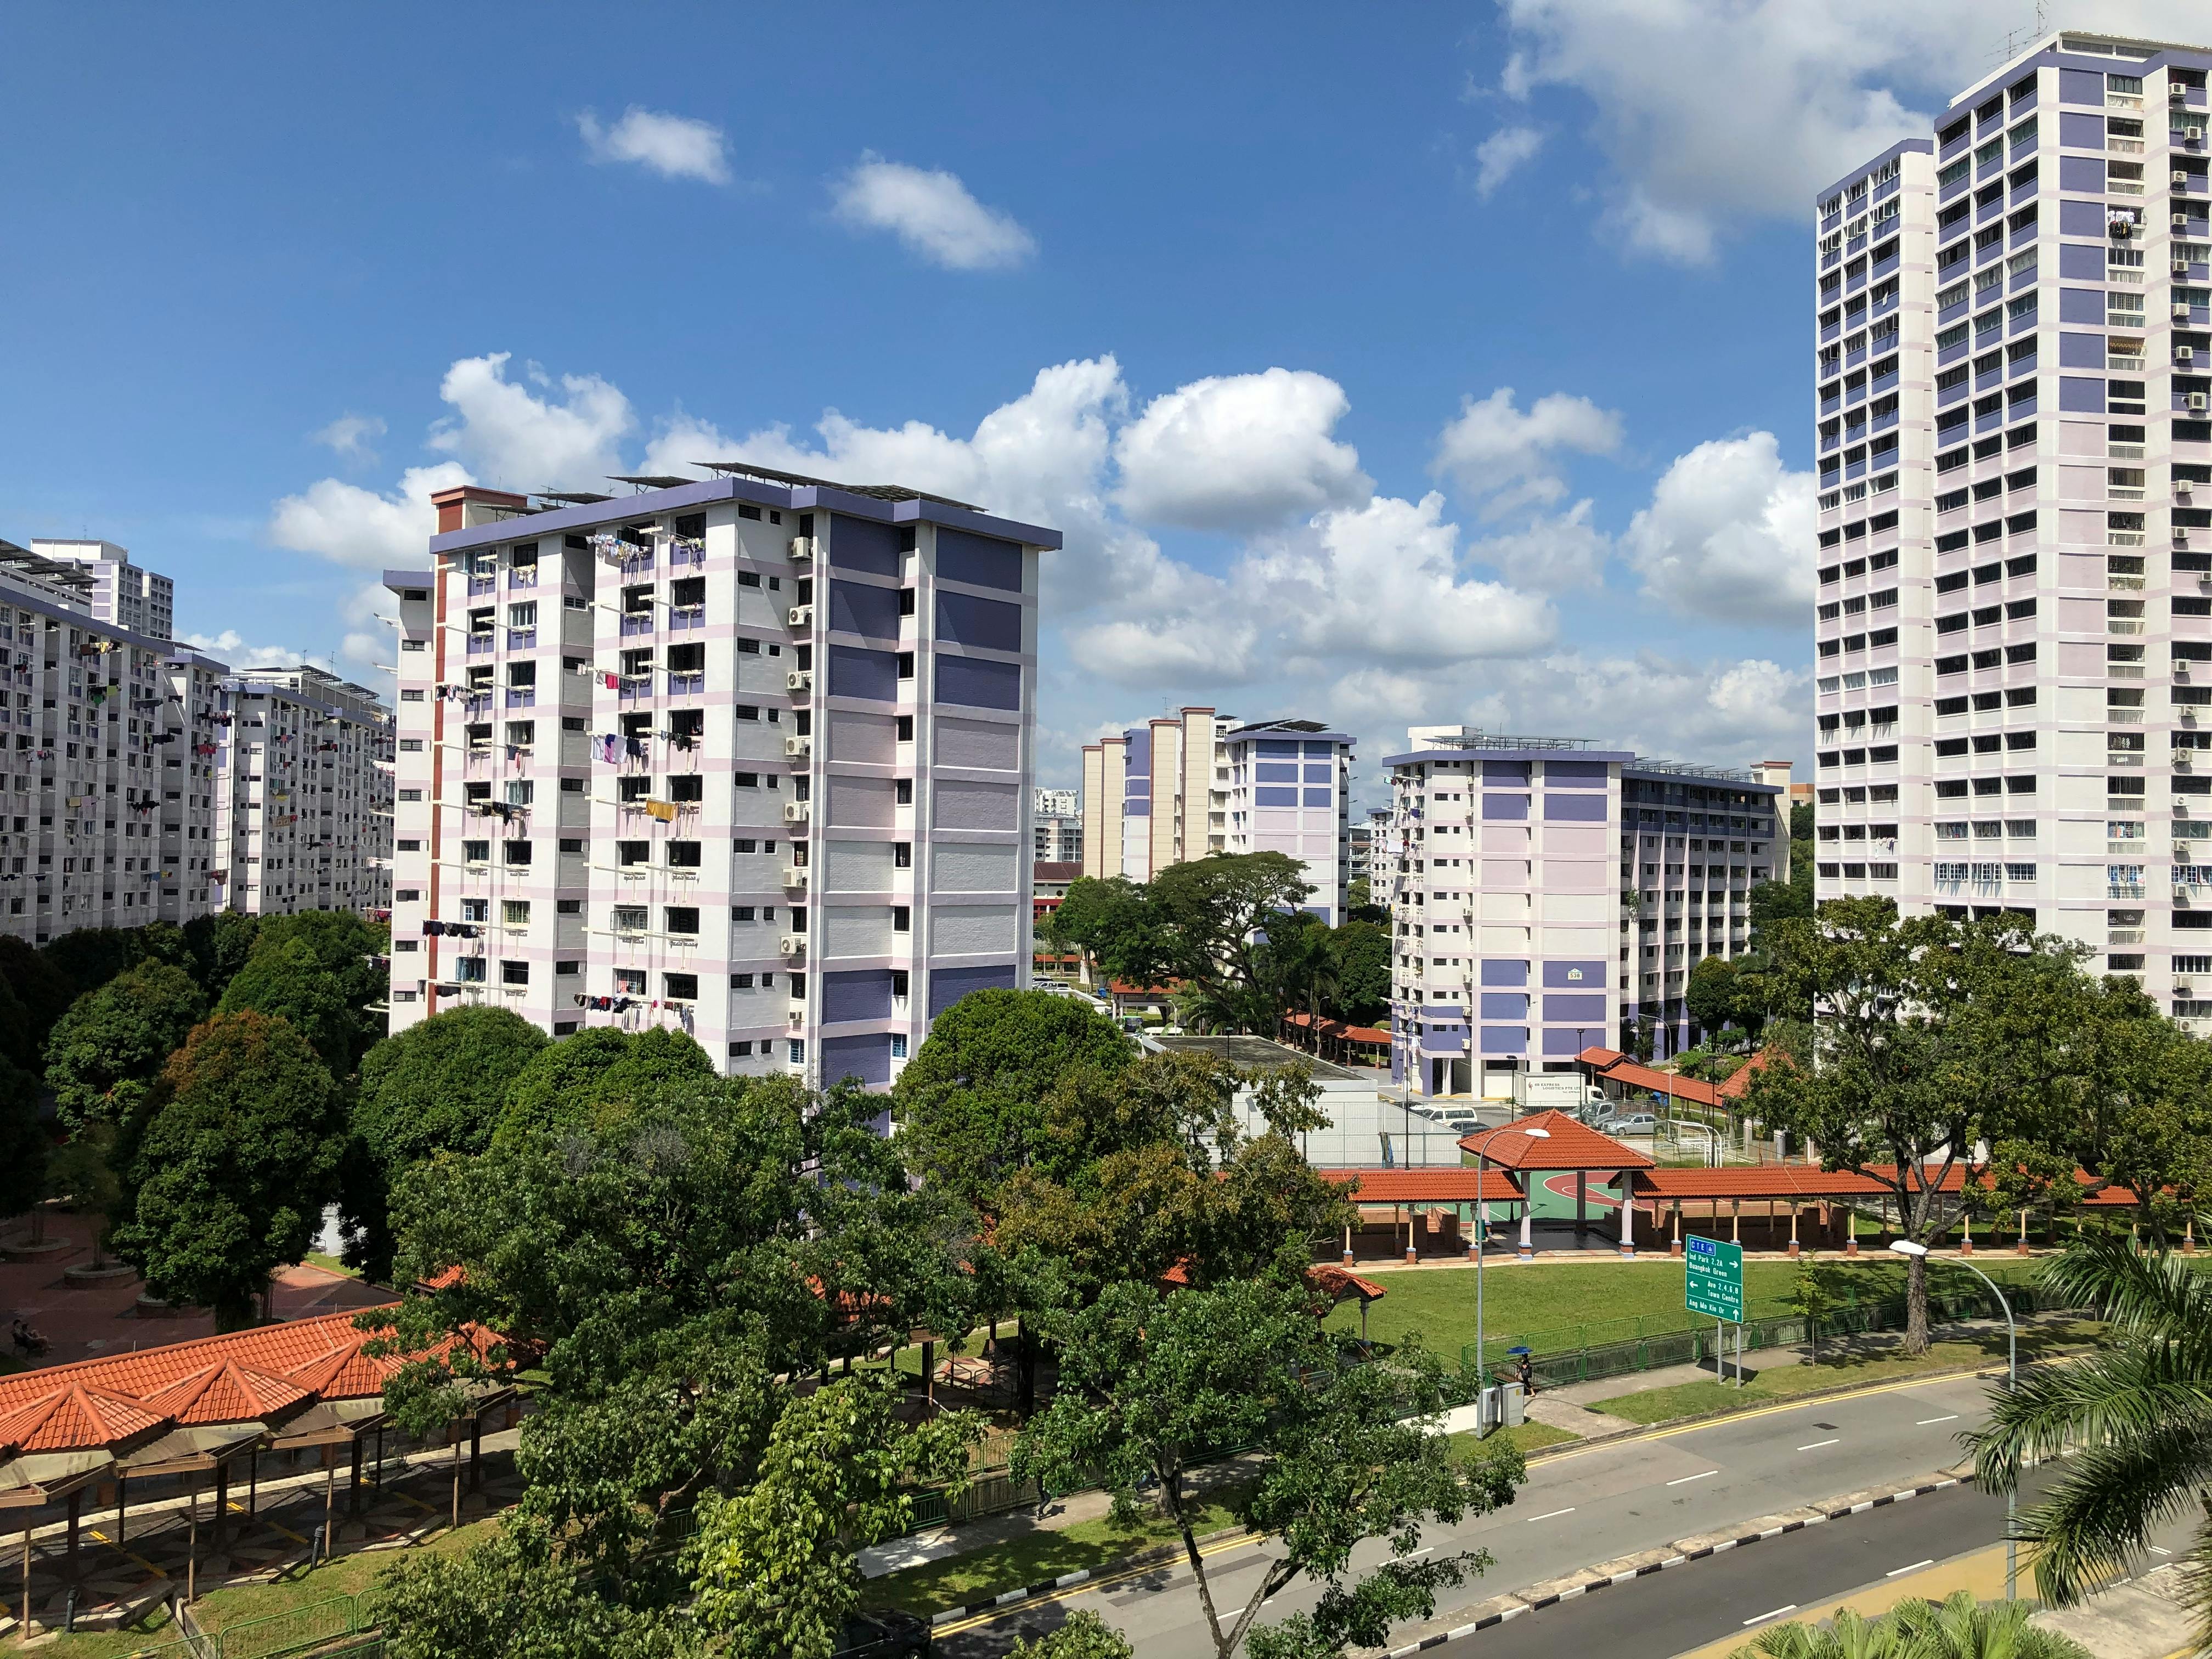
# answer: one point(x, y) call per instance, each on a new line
point(120, 592)
point(1546, 897)
point(749, 756)
point(303, 815)
point(2014, 622)
point(1057, 817)
point(1200, 781)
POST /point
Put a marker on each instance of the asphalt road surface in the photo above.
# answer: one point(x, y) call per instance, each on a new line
point(1588, 1506)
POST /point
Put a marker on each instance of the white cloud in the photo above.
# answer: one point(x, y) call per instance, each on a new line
point(231, 647)
point(673, 146)
point(514, 439)
point(350, 526)
point(1494, 451)
point(1728, 534)
point(1504, 153)
point(1554, 552)
point(1711, 110)
point(350, 436)
point(1239, 452)
point(932, 213)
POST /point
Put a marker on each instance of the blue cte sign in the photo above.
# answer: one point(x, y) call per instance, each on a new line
point(1715, 1283)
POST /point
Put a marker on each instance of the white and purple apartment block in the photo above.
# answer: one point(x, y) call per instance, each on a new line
point(2015, 610)
point(1182, 786)
point(1546, 897)
point(749, 756)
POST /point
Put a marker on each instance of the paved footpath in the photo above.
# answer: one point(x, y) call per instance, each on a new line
point(1585, 1505)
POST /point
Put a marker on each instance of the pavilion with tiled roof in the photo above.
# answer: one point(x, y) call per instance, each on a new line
point(1553, 1142)
point(1411, 1193)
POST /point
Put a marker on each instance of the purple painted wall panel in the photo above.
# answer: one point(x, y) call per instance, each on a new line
point(2080, 263)
point(855, 672)
point(1276, 796)
point(1505, 771)
point(948, 985)
point(1505, 1039)
point(856, 608)
point(2080, 218)
point(864, 993)
point(2082, 173)
point(1573, 808)
point(983, 560)
point(1275, 772)
point(1436, 1042)
point(2082, 305)
point(867, 1057)
point(977, 683)
point(1563, 974)
point(1505, 806)
point(863, 545)
point(1505, 1004)
point(2081, 350)
point(1316, 798)
point(1574, 1004)
point(2081, 86)
point(2081, 397)
point(991, 624)
point(2081, 132)
point(1563, 1045)
point(1575, 774)
point(1505, 973)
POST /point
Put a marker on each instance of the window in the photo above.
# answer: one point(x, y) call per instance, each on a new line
point(902, 919)
point(741, 982)
point(901, 855)
point(797, 1051)
point(742, 1048)
point(680, 988)
point(684, 855)
point(904, 792)
point(411, 745)
point(572, 844)
point(514, 972)
point(898, 1045)
point(683, 919)
point(906, 665)
point(516, 853)
point(515, 912)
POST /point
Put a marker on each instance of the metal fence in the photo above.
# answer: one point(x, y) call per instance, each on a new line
point(333, 1628)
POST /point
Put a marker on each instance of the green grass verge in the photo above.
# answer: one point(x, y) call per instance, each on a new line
point(348, 1575)
point(1790, 1381)
point(1524, 1437)
point(328, 1264)
point(1565, 1305)
point(958, 1580)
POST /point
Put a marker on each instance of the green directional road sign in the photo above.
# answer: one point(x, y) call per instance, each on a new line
point(1715, 1286)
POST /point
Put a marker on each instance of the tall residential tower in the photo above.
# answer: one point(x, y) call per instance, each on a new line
point(2014, 607)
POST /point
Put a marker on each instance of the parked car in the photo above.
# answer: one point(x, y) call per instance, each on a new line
point(885, 1633)
point(1631, 1123)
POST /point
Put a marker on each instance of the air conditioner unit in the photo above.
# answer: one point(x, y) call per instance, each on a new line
point(800, 616)
point(2180, 179)
point(799, 679)
point(797, 812)
point(794, 875)
point(797, 748)
point(2183, 487)
point(802, 549)
point(2199, 400)
point(2176, 94)
point(2181, 267)
point(2181, 221)
point(2180, 311)
point(2181, 987)
point(793, 944)
point(2184, 354)
point(2194, 135)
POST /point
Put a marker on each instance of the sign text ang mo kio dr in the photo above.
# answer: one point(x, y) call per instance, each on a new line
point(1714, 1285)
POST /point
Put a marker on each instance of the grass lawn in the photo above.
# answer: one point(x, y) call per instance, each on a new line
point(1787, 1382)
point(1528, 1437)
point(1558, 1305)
point(328, 1264)
point(349, 1575)
point(958, 1580)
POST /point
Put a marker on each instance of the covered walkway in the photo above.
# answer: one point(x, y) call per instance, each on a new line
point(1441, 1203)
point(1547, 1142)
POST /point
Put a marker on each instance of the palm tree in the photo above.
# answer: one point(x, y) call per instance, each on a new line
point(1853, 1636)
point(1964, 1628)
point(2138, 1413)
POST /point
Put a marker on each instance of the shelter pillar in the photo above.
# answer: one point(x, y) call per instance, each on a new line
point(1966, 1233)
point(1528, 1180)
point(1736, 1221)
point(1676, 1247)
point(1412, 1215)
point(1581, 1202)
point(2021, 1248)
point(1347, 1244)
point(1627, 1213)
point(1793, 1227)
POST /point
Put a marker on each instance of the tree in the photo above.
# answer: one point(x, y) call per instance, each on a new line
point(1359, 895)
point(1935, 1037)
point(1339, 1452)
point(351, 950)
point(2125, 1425)
point(1210, 917)
point(773, 1565)
point(83, 1172)
point(229, 1166)
point(564, 1085)
point(24, 1147)
point(106, 1053)
point(1082, 1635)
point(1362, 951)
point(971, 1104)
point(1810, 1296)
point(219, 944)
point(87, 957)
point(1096, 917)
point(668, 1269)
point(43, 990)
point(1711, 994)
point(437, 1086)
point(283, 979)
point(1959, 1628)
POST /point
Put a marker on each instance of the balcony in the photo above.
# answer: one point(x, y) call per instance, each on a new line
point(522, 696)
point(687, 685)
point(481, 585)
point(481, 645)
point(637, 622)
point(521, 639)
point(524, 578)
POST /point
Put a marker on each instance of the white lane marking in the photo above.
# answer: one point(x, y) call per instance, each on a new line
point(1551, 1514)
point(1925, 1421)
point(1899, 1573)
point(1686, 1479)
point(1764, 1617)
point(1817, 1444)
point(2154, 1550)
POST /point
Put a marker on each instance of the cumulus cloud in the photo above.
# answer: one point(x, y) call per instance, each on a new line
point(673, 146)
point(1711, 110)
point(1553, 552)
point(1507, 457)
point(1239, 452)
point(1728, 534)
point(1504, 153)
point(350, 526)
point(933, 213)
point(515, 438)
point(233, 648)
point(350, 436)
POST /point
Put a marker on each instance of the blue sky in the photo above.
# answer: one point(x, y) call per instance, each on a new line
point(1382, 364)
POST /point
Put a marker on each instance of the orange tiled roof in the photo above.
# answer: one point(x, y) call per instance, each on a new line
point(1453, 1184)
point(1660, 1083)
point(1600, 1058)
point(1341, 1282)
point(1566, 1144)
point(1337, 1028)
point(68, 1416)
point(224, 1392)
point(1737, 1084)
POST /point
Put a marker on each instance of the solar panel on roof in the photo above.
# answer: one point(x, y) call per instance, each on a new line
point(879, 492)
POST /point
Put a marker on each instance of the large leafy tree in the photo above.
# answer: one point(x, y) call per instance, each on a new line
point(230, 1162)
point(1340, 1453)
point(106, 1053)
point(971, 1104)
point(351, 950)
point(219, 944)
point(284, 978)
point(24, 1147)
point(89, 958)
point(1209, 930)
point(663, 1270)
point(1935, 1037)
point(1362, 951)
point(45, 992)
point(1098, 917)
point(437, 1086)
point(2136, 1416)
point(567, 1084)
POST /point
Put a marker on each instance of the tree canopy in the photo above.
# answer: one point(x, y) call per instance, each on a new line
point(566, 1084)
point(284, 978)
point(106, 1053)
point(230, 1162)
point(24, 1147)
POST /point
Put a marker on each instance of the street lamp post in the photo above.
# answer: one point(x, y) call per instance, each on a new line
point(1906, 1247)
point(1482, 1249)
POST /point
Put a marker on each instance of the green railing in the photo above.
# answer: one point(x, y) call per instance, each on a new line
point(291, 1632)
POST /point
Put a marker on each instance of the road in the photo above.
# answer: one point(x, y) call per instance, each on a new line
point(1586, 1506)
